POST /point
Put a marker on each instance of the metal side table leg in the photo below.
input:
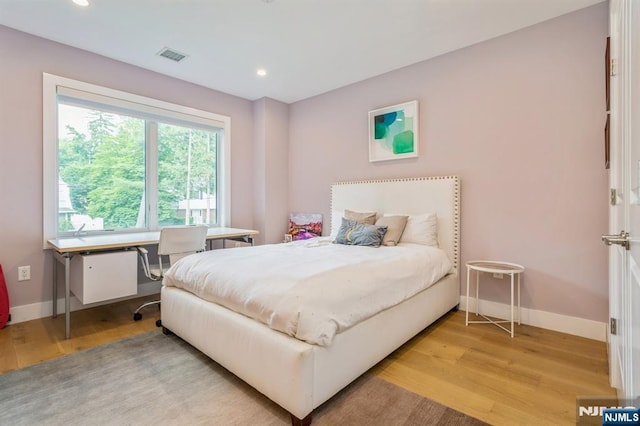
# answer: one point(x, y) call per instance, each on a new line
point(466, 321)
point(512, 327)
point(518, 299)
point(477, 293)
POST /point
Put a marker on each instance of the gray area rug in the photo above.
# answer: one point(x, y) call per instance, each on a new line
point(161, 380)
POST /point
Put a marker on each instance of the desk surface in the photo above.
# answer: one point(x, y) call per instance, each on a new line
point(131, 239)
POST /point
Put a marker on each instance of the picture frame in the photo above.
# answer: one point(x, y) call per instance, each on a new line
point(303, 226)
point(393, 132)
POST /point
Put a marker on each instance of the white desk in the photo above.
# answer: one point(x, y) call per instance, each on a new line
point(66, 248)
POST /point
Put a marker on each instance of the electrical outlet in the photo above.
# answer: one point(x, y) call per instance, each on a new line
point(24, 273)
point(499, 276)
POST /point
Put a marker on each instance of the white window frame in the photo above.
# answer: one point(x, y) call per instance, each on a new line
point(54, 85)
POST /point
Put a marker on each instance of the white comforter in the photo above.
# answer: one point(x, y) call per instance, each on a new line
point(310, 289)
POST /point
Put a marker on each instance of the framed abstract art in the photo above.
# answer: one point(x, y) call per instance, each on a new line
point(393, 132)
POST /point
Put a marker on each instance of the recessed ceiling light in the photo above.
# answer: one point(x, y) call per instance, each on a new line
point(81, 2)
point(261, 72)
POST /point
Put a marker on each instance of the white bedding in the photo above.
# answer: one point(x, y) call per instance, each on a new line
point(311, 289)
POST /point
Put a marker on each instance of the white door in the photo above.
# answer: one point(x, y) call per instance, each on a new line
point(624, 260)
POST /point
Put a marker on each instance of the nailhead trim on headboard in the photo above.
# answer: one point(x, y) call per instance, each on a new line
point(456, 207)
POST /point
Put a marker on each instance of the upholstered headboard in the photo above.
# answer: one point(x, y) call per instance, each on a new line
point(411, 196)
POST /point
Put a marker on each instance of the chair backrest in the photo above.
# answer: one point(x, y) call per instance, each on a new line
point(180, 241)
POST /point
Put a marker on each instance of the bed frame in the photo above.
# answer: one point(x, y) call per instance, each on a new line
point(299, 376)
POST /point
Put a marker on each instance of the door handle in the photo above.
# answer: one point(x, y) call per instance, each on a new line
point(621, 239)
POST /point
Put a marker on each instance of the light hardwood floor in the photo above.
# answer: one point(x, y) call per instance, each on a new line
point(532, 379)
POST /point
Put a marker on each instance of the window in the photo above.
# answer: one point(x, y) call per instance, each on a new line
point(117, 162)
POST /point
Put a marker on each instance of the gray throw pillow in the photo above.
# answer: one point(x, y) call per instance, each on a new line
point(360, 234)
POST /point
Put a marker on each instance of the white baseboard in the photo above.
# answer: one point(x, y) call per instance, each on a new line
point(565, 324)
point(548, 320)
point(45, 309)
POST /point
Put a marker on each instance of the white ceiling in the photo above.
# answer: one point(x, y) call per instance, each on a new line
point(308, 47)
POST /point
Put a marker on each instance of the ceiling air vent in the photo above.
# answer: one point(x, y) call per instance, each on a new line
point(171, 54)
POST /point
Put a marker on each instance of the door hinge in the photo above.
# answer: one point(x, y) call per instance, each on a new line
point(613, 67)
point(614, 326)
point(612, 196)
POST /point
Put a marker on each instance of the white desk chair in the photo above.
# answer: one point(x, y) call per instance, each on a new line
point(175, 243)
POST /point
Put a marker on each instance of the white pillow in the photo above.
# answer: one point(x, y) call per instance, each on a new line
point(336, 220)
point(421, 229)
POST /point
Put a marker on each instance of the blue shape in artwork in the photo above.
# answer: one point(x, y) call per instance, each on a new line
point(390, 118)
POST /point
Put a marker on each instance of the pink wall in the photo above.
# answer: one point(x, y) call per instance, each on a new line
point(25, 59)
point(271, 171)
point(520, 119)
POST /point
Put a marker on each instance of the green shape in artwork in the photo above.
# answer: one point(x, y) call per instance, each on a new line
point(403, 142)
point(382, 123)
point(380, 130)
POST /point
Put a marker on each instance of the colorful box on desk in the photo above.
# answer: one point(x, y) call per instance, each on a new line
point(104, 276)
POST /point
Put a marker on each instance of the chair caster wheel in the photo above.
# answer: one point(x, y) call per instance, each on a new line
point(159, 323)
point(137, 316)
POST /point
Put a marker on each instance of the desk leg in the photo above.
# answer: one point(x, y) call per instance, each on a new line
point(250, 238)
point(67, 297)
point(55, 286)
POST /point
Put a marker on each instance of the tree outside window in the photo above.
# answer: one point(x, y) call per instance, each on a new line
point(103, 176)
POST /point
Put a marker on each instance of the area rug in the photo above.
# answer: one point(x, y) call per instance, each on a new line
point(153, 379)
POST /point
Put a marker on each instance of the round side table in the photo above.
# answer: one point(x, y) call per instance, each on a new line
point(493, 267)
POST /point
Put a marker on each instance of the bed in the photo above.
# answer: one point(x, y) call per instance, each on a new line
point(301, 370)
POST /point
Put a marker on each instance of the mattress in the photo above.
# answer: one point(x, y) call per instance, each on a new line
point(312, 289)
